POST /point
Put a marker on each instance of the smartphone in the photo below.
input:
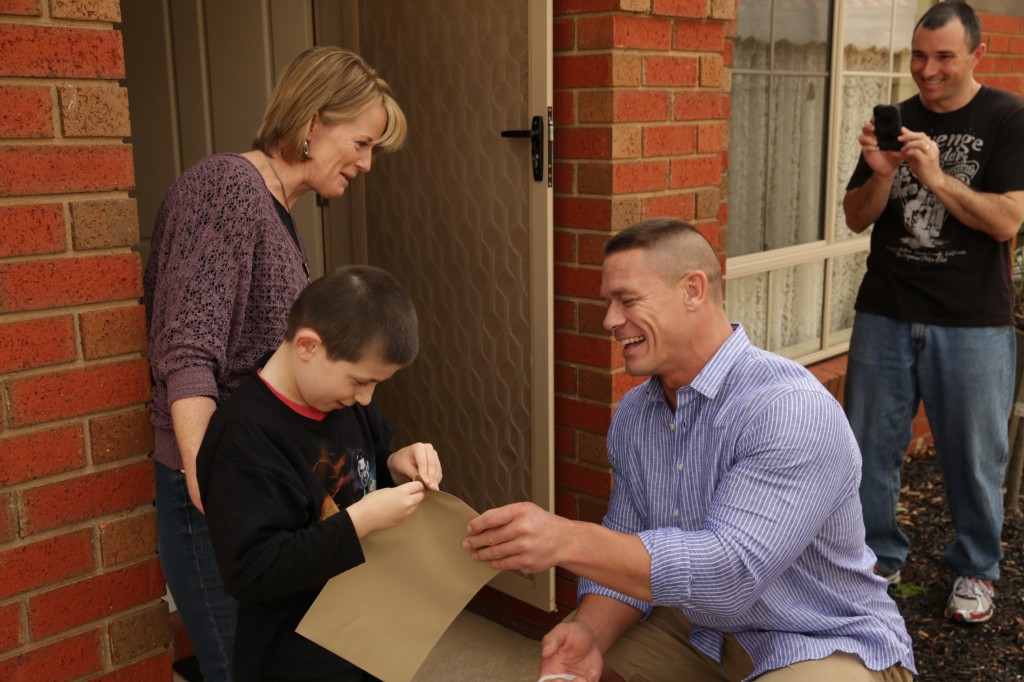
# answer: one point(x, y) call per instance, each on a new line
point(887, 127)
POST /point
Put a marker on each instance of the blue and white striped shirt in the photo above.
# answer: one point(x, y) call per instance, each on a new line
point(746, 499)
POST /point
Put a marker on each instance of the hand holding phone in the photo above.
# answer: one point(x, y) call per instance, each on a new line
point(887, 127)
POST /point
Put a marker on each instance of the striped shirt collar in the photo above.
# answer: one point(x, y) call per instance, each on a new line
point(709, 380)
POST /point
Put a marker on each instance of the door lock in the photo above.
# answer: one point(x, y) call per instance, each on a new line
point(536, 135)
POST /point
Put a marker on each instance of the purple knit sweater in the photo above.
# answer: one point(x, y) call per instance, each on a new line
point(221, 277)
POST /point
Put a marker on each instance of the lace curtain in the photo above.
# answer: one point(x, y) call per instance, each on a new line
point(776, 178)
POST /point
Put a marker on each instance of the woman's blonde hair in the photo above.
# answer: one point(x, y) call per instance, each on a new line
point(334, 83)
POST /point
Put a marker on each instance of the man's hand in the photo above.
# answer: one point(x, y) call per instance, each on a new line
point(385, 508)
point(418, 459)
point(571, 648)
point(922, 156)
point(519, 536)
point(883, 163)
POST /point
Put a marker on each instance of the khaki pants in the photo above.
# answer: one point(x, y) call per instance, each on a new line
point(658, 650)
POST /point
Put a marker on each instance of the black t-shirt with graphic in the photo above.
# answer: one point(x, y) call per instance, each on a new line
point(925, 265)
point(275, 485)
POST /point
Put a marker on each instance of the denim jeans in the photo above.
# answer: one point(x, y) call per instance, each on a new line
point(186, 555)
point(965, 377)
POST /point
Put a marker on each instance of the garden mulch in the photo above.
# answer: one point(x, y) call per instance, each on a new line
point(945, 650)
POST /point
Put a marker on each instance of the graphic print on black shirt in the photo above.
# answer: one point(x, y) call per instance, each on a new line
point(923, 214)
point(347, 477)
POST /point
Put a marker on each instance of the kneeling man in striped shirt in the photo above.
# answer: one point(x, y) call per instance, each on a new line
point(733, 547)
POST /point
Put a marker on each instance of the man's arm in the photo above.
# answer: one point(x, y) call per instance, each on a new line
point(864, 205)
point(522, 536)
point(191, 417)
point(577, 647)
point(607, 618)
point(997, 215)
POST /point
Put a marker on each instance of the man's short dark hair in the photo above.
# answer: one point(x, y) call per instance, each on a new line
point(648, 234)
point(357, 310)
point(941, 14)
point(680, 248)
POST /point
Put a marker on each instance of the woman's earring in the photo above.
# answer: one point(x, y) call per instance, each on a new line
point(305, 149)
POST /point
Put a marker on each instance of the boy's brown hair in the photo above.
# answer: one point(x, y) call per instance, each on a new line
point(357, 310)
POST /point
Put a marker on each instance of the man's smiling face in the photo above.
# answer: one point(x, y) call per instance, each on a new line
point(943, 66)
point(646, 312)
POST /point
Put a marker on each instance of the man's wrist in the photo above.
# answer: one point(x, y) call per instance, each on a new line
point(883, 178)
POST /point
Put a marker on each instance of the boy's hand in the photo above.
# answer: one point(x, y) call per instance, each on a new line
point(418, 459)
point(385, 508)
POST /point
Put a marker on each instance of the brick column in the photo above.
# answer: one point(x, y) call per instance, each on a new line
point(80, 583)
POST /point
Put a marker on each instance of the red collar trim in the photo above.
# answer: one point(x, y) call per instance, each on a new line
point(304, 410)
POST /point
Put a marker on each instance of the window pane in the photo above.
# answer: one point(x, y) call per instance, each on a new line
point(860, 95)
point(747, 163)
point(907, 14)
point(801, 39)
point(795, 166)
point(847, 273)
point(866, 35)
point(797, 296)
point(753, 27)
point(746, 302)
point(902, 88)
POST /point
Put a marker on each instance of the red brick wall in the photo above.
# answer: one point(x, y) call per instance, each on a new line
point(1003, 64)
point(80, 583)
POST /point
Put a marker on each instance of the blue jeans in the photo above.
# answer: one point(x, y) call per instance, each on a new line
point(186, 555)
point(965, 377)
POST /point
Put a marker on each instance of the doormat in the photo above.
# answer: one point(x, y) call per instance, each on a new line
point(188, 668)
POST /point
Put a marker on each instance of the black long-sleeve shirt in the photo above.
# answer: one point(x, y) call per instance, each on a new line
point(272, 481)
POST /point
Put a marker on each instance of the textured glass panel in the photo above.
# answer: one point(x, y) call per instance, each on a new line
point(860, 95)
point(866, 34)
point(847, 273)
point(797, 296)
point(795, 171)
point(462, 247)
point(748, 152)
point(746, 302)
point(753, 26)
point(801, 35)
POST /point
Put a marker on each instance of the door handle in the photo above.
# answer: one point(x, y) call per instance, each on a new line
point(536, 135)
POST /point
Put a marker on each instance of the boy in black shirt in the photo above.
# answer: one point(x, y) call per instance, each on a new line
point(295, 468)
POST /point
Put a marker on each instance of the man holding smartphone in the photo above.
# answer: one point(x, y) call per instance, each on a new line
point(933, 314)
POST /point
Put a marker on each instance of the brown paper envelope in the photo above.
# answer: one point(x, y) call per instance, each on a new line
point(386, 614)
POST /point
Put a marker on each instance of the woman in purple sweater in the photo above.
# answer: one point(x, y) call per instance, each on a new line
point(225, 267)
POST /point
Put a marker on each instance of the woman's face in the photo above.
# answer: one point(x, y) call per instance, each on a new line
point(339, 153)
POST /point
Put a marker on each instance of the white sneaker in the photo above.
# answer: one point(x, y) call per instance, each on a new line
point(971, 600)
